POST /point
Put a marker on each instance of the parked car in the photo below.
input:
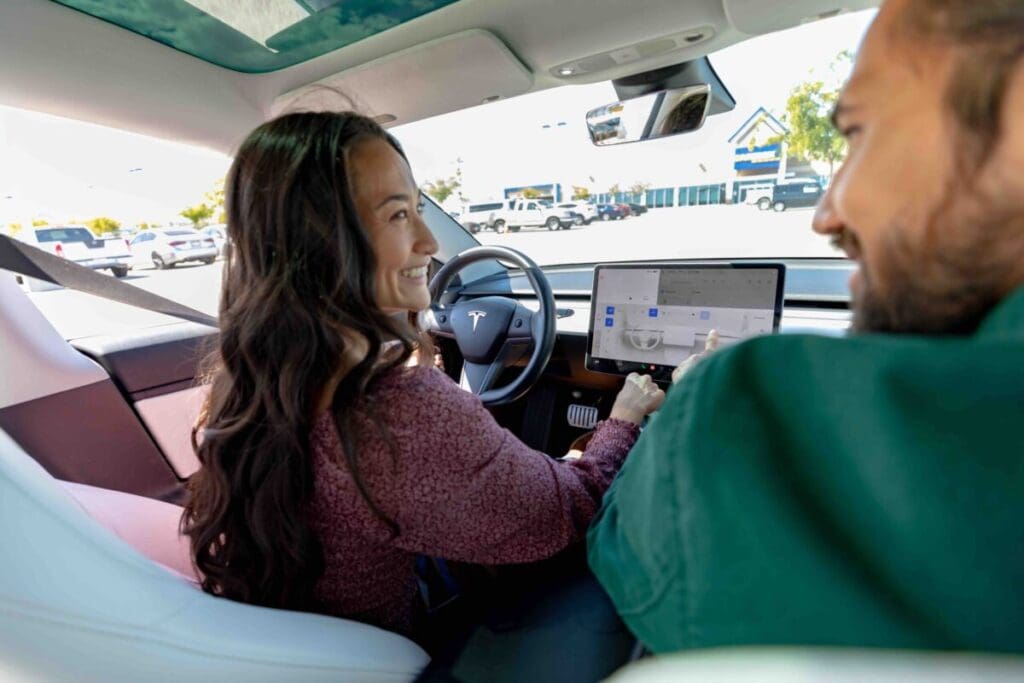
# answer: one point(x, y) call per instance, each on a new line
point(583, 212)
point(624, 208)
point(486, 216)
point(78, 243)
point(167, 248)
point(637, 209)
point(536, 213)
point(514, 214)
point(796, 193)
point(218, 233)
point(759, 195)
point(607, 212)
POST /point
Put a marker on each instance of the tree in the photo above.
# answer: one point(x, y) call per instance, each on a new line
point(614, 190)
point(442, 188)
point(215, 199)
point(531, 193)
point(808, 111)
point(13, 228)
point(38, 223)
point(102, 225)
point(638, 188)
point(580, 192)
point(198, 214)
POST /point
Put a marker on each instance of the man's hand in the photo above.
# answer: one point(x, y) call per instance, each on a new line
point(709, 346)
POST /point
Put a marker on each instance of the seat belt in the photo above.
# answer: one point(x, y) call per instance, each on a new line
point(29, 261)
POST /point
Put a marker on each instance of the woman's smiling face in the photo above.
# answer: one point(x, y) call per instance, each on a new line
point(390, 209)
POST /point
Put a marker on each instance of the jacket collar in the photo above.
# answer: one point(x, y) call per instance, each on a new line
point(1006, 319)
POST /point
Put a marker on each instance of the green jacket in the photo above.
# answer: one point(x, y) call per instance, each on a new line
point(823, 491)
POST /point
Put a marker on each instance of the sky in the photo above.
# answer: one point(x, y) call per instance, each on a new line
point(60, 170)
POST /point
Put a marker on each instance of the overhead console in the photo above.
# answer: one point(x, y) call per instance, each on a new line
point(403, 87)
point(647, 319)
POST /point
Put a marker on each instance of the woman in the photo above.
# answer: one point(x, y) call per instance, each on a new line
point(327, 463)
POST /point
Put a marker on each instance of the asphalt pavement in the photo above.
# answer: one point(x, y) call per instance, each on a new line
point(691, 232)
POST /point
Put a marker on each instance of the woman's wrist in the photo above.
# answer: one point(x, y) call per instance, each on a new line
point(626, 415)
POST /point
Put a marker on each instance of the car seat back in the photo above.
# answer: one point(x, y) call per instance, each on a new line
point(79, 604)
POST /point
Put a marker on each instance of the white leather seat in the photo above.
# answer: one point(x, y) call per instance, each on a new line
point(79, 604)
point(814, 665)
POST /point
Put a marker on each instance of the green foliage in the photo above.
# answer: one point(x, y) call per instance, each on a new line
point(198, 214)
point(531, 193)
point(102, 225)
point(442, 188)
point(580, 192)
point(639, 188)
point(614, 189)
point(215, 197)
point(808, 110)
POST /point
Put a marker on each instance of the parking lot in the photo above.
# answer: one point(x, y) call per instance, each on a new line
point(691, 232)
point(720, 231)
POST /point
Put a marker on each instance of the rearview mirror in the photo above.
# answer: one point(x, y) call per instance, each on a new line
point(658, 115)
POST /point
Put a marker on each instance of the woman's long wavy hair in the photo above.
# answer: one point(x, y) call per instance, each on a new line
point(298, 295)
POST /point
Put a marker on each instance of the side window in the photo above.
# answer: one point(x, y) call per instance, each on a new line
point(139, 185)
point(531, 206)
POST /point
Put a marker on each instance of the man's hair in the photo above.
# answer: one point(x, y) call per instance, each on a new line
point(989, 36)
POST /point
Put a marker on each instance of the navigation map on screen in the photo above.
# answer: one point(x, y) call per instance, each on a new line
point(660, 316)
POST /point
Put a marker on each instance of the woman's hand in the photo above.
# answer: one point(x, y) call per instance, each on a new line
point(639, 397)
point(709, 346)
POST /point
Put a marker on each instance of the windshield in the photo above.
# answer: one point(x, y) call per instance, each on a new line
point(743, 186)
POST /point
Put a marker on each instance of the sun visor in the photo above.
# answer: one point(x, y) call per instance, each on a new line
point(458, 71)
point(755, 17)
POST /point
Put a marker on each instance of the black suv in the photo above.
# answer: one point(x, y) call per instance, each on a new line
point(796, 193)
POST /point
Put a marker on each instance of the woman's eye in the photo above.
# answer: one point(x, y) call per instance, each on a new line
point(420, 207)
point(401, 215)
point(850, 131)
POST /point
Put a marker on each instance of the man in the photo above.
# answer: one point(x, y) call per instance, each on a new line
point(864, 491)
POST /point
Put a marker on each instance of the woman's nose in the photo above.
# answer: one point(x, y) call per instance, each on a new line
point(425, 241)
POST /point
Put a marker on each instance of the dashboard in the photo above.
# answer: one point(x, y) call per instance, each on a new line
point(815, 301)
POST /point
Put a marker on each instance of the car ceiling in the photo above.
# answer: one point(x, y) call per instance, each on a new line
point(59, 61)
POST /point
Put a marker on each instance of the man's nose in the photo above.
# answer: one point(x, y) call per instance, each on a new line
point(826, 219)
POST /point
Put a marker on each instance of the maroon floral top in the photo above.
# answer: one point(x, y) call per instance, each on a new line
point(457, 486)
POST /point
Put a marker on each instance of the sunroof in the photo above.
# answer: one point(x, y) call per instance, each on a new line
point(256, 36)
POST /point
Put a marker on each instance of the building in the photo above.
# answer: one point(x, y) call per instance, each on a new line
point(757, 157)
point(551, 192)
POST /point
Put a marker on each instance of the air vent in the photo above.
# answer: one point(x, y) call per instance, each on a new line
point(629, 54)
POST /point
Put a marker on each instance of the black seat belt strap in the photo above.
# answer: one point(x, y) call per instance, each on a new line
point(29, 261)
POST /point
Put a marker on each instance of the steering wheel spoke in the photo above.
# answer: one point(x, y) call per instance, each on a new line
point(494, 332)
point(481, 376)
point(438, 320)
point(520, 328)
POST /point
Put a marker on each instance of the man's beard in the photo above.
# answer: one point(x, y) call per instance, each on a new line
point(946, 285)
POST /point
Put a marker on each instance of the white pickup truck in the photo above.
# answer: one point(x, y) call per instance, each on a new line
point(77, 243)
point(513, 214)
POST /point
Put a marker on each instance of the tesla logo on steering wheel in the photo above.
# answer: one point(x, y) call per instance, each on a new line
point(476, 315)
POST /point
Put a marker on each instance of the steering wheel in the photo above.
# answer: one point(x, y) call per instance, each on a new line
point(493, 332)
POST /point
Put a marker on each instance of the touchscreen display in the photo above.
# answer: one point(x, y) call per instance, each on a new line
point(651, 319)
